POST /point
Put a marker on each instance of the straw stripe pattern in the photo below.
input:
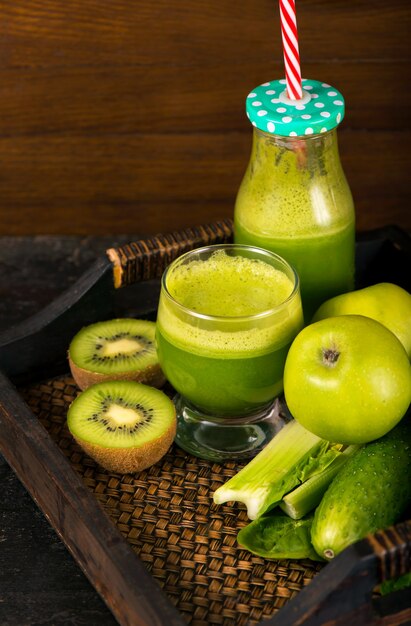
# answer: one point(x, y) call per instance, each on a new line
point(290, 49)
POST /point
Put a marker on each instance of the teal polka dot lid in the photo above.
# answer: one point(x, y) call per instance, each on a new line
point(320, 109)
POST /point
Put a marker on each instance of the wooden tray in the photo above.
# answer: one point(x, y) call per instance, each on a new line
point(153, 544)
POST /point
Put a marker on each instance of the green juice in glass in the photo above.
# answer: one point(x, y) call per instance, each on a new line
point(295, 201)
point(224, 327)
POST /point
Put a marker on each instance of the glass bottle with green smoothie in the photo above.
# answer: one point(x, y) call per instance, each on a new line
point(294, 199)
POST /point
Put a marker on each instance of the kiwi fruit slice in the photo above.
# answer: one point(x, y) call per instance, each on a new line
point(120, 349)
point(123, 425)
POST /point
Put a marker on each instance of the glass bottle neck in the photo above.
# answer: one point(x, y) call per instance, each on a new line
point(314, 154)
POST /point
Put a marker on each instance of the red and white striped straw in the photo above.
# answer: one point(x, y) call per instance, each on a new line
point(290, 49)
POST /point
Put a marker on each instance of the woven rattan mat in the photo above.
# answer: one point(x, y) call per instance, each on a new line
point(166, 513)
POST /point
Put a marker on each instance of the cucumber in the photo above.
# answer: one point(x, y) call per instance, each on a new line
point(371, 492)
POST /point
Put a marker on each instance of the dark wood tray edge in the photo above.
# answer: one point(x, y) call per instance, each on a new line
point(89, 534)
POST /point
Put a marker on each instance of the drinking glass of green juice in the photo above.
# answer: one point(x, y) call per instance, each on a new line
point(227, 316)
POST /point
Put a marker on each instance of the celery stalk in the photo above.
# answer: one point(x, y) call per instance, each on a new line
point(292, 456)
point(307, 496)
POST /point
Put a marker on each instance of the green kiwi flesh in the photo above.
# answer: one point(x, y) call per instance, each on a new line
point(123, 425)
point(121, 349)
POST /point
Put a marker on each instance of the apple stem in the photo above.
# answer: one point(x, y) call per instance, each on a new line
point(330, 357)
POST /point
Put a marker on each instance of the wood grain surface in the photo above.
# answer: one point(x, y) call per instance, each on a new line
point(124, 116)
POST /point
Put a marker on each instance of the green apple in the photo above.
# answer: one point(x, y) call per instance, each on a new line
point(347, 379)
point(384, 302)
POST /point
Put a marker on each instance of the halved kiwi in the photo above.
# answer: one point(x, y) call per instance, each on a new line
point(123, 425)
point(120, 349)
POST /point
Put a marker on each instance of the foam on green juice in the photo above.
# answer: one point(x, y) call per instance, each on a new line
point(288, 200)
point(231, 288)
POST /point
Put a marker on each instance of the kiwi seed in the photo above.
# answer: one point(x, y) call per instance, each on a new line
point(121, 349)
point(123, 425)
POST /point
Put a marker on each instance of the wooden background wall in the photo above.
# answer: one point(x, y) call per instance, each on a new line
point(124, 116)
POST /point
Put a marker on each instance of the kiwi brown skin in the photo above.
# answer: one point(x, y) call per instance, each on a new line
point(89, 371)
point(105, 420)
point(151, 375)
point(130, 460)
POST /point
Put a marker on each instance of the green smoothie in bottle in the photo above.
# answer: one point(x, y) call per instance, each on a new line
point(294, 199)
